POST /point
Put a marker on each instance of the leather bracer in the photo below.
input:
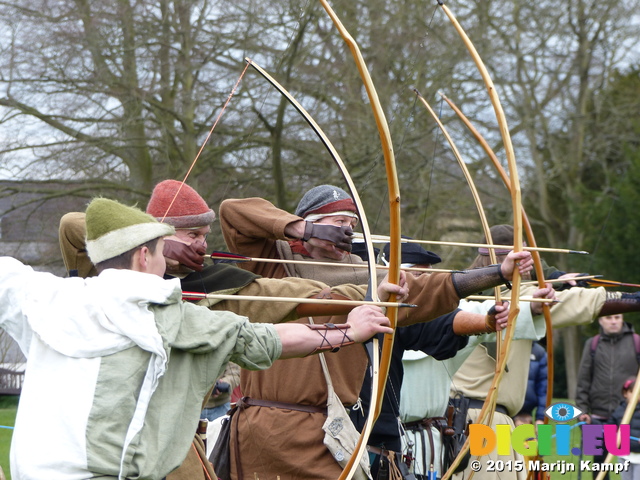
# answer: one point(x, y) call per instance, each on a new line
point(477, 280)
point(326, 345)
point(620, 302)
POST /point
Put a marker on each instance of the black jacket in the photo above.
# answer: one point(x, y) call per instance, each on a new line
point(435, 338)
point(634, 423)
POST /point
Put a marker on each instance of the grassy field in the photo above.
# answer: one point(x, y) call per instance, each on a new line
point(8, 406)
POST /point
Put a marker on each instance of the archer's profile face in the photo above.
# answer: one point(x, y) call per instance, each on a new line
point(194, 235)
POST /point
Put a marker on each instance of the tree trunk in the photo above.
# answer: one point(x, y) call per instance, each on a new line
point(572, 353)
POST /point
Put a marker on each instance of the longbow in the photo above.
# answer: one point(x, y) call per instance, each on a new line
point(514, 310)
point(394, 218)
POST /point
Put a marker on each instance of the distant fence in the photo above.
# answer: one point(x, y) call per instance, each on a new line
point(11, 381)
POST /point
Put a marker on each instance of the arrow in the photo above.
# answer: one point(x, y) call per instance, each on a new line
point(558, 280)
point(384, 239)
point(610, 283)
point(355, 303)
point(241, 258)
point(523, 299)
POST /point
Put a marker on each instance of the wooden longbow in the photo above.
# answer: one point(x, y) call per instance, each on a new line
point(394, 215)
point(372, 294)
point(530, 240)
point(489, 404)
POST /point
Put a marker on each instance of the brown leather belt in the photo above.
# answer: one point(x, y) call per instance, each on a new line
point(375, 450)
point(254, 402)
point(425, 423)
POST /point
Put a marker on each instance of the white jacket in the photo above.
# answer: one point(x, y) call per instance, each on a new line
point(117, 369)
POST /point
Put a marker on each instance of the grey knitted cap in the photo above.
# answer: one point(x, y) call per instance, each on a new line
point(325, 200)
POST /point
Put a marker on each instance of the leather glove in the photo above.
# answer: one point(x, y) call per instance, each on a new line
point(566, 286)
point(340, 236)
point(191, 256)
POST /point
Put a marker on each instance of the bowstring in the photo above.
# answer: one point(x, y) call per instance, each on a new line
point(303, 12)
point(453, 387)
point(197, 157)
point(195, 160)
point(436, 142)
point(394, 115)
point(390, 393)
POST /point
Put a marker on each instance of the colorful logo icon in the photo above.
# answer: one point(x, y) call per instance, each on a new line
point(562, 412)
point(530, 440)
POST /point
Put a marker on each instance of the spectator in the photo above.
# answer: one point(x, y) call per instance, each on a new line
point(608, 359)
point(633, 472)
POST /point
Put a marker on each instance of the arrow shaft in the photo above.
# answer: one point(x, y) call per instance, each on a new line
point(320, 301)
point(383, 238)
point(522, 299)
point(557, 280)
point(611, 283)
point(330, 264)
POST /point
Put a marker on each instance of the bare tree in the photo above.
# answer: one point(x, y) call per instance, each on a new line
point(118, 95)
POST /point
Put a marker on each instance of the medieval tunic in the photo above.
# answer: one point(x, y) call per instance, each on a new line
point(473, 379)
point(425, 399)
point(124, 365)
point(288, 443)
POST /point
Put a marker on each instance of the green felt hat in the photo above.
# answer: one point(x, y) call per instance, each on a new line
point(114, 228)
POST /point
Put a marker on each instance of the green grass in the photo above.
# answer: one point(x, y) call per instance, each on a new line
point(8, 408)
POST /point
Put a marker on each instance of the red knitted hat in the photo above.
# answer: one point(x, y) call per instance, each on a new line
point(189, 210)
